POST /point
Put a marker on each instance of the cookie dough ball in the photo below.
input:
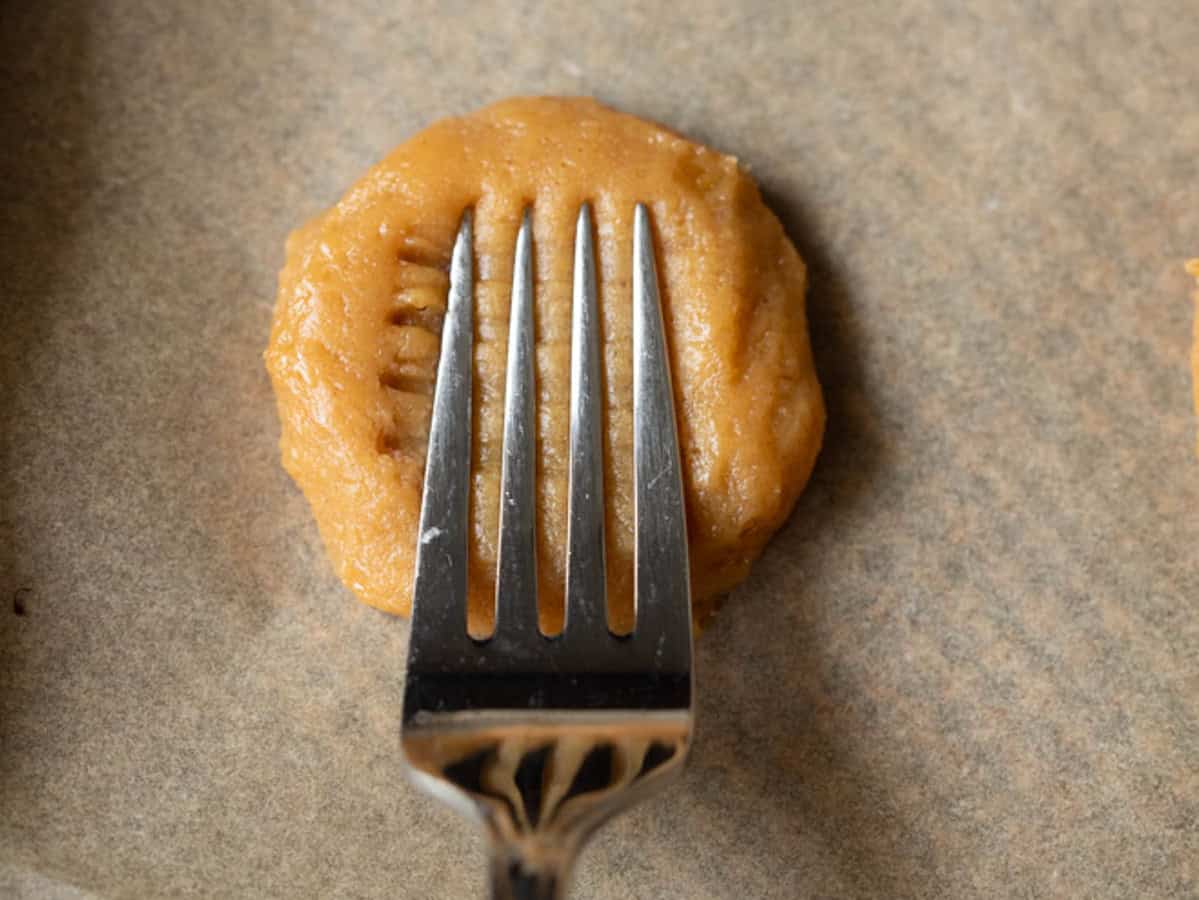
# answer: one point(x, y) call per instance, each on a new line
point(354, 344)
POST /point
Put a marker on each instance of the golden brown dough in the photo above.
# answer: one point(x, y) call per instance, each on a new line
point(1193, 268)
point(354, 343)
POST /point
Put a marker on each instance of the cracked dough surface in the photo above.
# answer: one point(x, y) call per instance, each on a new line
point(354, 343)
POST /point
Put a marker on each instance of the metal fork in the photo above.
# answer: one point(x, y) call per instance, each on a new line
point(543, 738)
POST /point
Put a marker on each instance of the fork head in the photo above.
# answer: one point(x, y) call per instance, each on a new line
point(544, 736)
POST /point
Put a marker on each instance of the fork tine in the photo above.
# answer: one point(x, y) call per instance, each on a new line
point(585, 572)
point(439, 592)
point(663, 591)
point(516, 581)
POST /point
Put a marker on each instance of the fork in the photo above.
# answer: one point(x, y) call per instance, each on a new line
point(542, 738)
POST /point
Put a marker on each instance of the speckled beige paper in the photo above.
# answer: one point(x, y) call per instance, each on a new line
point(968, 668)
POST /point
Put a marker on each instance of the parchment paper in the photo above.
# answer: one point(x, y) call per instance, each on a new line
point(966, 668)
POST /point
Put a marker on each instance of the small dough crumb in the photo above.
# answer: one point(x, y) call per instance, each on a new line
point(1193, 268)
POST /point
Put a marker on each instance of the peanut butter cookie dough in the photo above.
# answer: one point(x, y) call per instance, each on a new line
point(354, 343)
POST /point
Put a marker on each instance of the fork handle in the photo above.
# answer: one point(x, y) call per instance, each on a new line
point(513, 879)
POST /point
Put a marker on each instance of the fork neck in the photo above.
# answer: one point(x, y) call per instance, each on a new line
point(515, 876)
